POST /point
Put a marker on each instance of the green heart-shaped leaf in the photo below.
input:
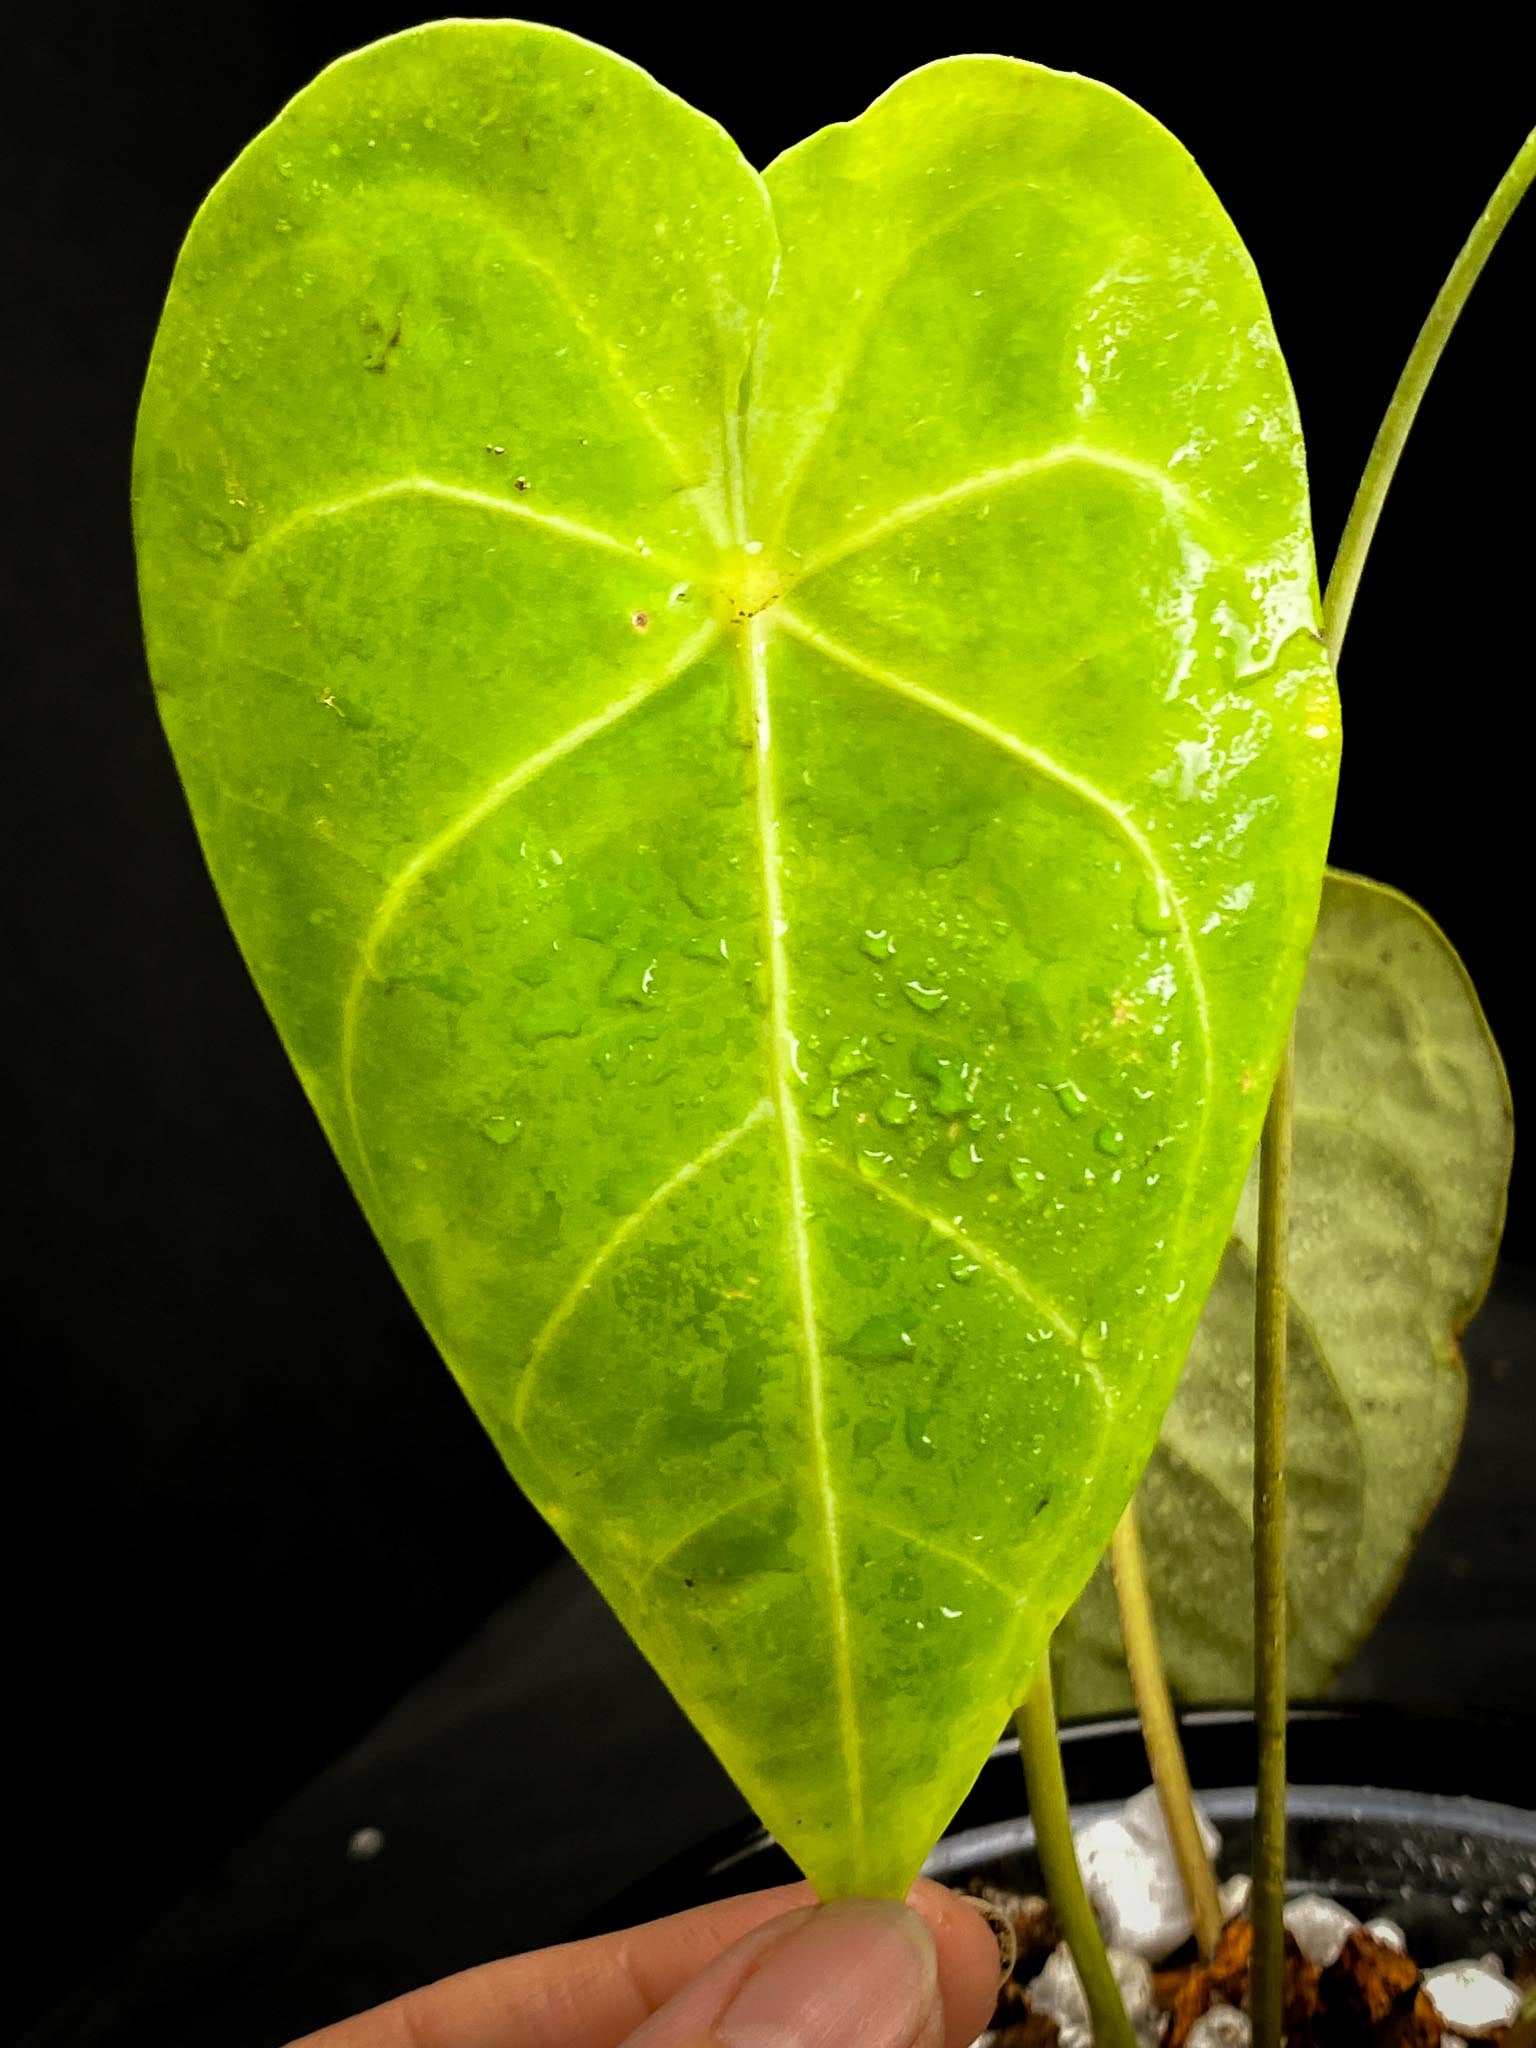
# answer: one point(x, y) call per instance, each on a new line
point(766, 743)
point(1403, 1138)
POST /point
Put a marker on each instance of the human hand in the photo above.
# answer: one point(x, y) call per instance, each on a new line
point(769, 1970)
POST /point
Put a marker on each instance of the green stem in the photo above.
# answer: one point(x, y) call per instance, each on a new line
point(1269, 1615)
point(1160, 1730)
point(1360, 529)
point(1275, 1156)
point(1045, 1782)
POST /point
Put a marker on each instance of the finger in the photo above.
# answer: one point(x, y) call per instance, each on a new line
point(862, 1970)
point(594, 1994)
point(963, 1944)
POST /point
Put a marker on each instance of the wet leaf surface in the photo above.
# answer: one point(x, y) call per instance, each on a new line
point(766, 744)
point(1402, 1155)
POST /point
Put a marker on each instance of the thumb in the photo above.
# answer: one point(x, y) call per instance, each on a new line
point(861, 1971)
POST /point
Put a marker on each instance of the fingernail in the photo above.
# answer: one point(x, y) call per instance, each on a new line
point(1003, 1932)
point(862, 1970)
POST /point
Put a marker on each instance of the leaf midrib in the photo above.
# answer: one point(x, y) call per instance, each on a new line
point(754, 656)
point(781, 1106)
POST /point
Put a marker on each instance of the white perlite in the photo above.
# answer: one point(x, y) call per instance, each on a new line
point(1221, 2026)
point(1058, 1990)
point(1470, 1998)
point(1132, 1877)
point(1233, 1896)
point(1389, 1934)
point(1321, 1927)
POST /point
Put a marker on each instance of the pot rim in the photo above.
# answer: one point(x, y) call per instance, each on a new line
point(1489, 1752)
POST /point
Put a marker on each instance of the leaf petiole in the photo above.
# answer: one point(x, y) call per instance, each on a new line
point(1272, 1306)
point(1160, 1729)
point(1387, 448)
point(1271, 1314)
point(1045, 1781)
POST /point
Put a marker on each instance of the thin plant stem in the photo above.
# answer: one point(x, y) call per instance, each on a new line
point(1275, 1154)
point(1360, 528)
point(1269, 1604)
point(1160, 1730)
point(1045, 1782)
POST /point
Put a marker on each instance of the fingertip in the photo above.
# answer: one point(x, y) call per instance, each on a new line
point(968, 1959)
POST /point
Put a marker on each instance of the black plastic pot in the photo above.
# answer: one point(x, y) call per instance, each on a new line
point(1425, 1819)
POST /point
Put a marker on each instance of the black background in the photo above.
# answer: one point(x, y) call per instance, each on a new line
point(251, 1508)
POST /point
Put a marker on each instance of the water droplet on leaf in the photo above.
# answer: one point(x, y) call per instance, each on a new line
point(878, 945)
point(1110, 1140)
point(896, 1110)
point(883, 1338)
point(1070, 1096)
point(925, 999)
point(964, 1162)
point(953, 1091)
point(1154, 908)
point(632, 979)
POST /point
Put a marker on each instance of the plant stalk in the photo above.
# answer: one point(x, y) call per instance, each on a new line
point(1381, 466)
point(1160, 1730)
point(1045, 1782)
point(1269, 1604)
point(1275, 1154)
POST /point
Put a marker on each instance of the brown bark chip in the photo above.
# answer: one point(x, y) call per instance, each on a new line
point(1299, 1997)
point(1191, 1990)
point(1363, 1989)
point(1413, 2024)
point(1030, 1917)
point(1035, 2030)
point(1228, 1970)
point(1184, 1995)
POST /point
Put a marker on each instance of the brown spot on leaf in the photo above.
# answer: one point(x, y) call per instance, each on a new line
point(385, 340)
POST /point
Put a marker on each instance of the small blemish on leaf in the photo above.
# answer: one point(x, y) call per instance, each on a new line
point(494, 448)
point(386, 341)
point(520, 483)
point(640, 621)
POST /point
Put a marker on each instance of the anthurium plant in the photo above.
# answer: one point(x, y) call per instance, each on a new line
point(769, 745)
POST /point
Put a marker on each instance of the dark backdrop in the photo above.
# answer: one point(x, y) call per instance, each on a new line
point(251, 1506)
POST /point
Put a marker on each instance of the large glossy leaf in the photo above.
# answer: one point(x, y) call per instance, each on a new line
point(766, 744)
point(1403, 1134)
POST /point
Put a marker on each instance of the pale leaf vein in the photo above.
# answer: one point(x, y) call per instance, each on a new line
point(1116, 814)
point(421, 863)
point(516, 509)
point(983, 1255)
point(798, 1245)
point(614, 1243)
point(1068, 455)
point(715, 1516)
point(860, 1513)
